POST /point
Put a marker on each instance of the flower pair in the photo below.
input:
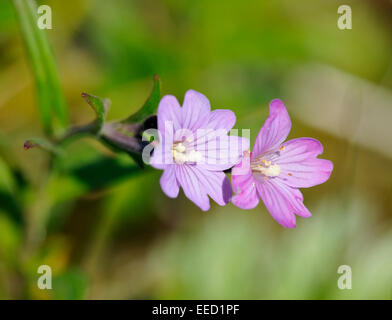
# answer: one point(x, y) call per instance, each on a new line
point(195, 149)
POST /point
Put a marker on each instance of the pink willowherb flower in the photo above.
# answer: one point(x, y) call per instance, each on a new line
point(274, 170)
point(194, 149)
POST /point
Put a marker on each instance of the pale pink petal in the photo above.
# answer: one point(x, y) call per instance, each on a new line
point(195, 110)
point(162, 154)
point(299, 166)
point(169, 182)
point(221, 119)
point(244, 187)
point(169, 114)
point(157, 159)
point(296, 199)
point(300, 149)
point(275, 129)
point(222, 152)
point(187, 178)
point(216, 184)
point(280, 203)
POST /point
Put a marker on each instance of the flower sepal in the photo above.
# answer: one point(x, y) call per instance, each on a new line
point(127, 135)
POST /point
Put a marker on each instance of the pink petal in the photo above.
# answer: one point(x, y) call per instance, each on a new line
point(169, 182)
point(277, 205)
point(221, 152)
point(162, 154)
point(299, 166)
point(195, 110)
point(157, 159)
point(216, 184)
point(187, 178)
point(299, 207)
point(244, 187)
point(275, 129)
point(282, 202)
point(221, 119)
point(169, 110)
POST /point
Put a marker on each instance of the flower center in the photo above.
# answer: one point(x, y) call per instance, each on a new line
point(266, 168)
point(182, 155)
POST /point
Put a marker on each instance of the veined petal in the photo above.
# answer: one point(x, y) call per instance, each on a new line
point(216, 184)
point(169, 182)
point(162, 154)
point(195, 110)
point(187, 178)
point(221, 119)
point(169, 112)
point(157, 159)
point(222, 152)
point(300, 149)
point(299, 207)
point(295, 197)
point(275, 129)
point(299, 166)
point(244, 185)
point(282, 202)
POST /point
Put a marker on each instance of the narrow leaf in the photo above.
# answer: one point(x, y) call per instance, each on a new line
point(50, 98)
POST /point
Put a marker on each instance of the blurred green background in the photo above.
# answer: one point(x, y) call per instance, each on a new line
point(105, 227)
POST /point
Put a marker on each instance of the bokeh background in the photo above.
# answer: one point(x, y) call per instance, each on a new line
point(108, 231)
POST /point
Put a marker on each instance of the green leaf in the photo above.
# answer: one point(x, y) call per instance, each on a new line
point(150, 106)
point(100, 106)
point(43, 144)
point(50, 98)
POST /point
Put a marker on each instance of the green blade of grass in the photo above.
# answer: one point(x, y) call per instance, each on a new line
point(50, 98)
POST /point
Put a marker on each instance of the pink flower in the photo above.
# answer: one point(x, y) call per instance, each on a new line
point(275, 170)
point(194, 149)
